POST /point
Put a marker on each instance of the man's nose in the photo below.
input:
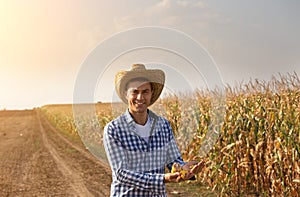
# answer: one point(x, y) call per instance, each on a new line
point(139, 96)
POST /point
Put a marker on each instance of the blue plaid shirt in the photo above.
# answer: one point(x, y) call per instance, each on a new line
point(138, 166)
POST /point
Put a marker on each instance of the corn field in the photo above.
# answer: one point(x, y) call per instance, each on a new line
point(256, 152)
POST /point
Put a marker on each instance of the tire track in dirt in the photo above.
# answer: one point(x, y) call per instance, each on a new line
point(82, 150)
point(76, 182)
point(95, 174)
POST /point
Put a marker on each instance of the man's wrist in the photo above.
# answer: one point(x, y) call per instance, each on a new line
point(165, 179)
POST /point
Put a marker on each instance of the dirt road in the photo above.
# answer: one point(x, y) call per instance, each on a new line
point(37, 160)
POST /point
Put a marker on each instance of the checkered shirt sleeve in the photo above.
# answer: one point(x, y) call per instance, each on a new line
point(138, 166)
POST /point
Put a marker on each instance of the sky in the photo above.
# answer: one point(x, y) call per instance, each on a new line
point(45, 44)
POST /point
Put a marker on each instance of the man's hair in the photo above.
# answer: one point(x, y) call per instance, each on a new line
point(139, 79)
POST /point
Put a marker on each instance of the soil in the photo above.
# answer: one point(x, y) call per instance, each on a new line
point(38, 160)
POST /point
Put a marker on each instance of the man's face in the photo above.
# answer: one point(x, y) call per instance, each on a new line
point(138, 96)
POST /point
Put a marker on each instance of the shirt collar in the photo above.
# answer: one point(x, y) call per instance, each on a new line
point(128, 117)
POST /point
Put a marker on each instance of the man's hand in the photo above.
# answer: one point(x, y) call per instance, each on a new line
point(172, 177)
point(192, 168)
point(185, 172)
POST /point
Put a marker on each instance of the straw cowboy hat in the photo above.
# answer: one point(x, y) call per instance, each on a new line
point(156, 78)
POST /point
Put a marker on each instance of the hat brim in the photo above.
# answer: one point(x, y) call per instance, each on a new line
point(154, 76)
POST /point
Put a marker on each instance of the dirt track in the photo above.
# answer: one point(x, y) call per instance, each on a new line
point(37, 160)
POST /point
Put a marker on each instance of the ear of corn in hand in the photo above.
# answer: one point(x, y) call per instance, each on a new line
point(177, 168)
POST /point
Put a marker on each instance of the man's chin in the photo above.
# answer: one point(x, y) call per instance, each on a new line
point(140, 110)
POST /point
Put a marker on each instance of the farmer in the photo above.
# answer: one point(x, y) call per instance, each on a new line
point(139, 144)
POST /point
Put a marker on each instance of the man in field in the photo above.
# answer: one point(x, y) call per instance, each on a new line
point(139, 144)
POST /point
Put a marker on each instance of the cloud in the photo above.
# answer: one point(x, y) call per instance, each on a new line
point(197, 18)
point(180, 3)
point(164, 3)
point(124, 22)
point(163, 13)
